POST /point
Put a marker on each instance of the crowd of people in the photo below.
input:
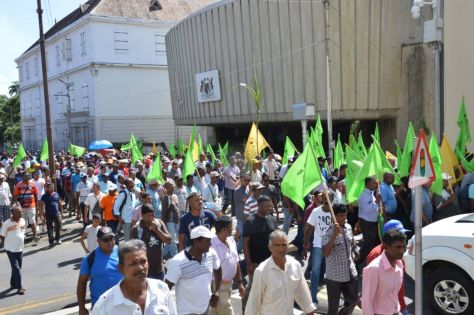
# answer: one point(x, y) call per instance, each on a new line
point(204, 234)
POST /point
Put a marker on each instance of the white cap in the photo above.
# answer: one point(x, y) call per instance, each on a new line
point(111, 186)
point(214, 174)
point(201, 231)
point(446, 176)
point(153, 181)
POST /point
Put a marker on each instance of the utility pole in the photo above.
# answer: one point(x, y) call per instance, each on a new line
point(49, 134)
point(328, 80)
point(68, 111)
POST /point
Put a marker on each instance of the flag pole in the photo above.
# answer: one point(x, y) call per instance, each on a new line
point(329, 204)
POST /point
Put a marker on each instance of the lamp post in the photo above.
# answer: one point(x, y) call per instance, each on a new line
point(49, 134)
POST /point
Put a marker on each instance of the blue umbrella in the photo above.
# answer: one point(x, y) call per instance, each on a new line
point(100, 145)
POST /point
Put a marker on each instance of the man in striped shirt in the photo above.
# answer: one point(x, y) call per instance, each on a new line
point(251, 206)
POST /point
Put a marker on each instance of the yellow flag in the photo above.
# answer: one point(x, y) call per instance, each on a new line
point(153, 148)
point(195, 151)
point(255, 138)
point(450, 164)
point(389, 155)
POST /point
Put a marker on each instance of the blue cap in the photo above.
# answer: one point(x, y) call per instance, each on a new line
point(394, 224)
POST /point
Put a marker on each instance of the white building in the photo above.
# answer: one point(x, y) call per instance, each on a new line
point(107, 75)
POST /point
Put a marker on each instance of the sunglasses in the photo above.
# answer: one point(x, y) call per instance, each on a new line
point(107, 239)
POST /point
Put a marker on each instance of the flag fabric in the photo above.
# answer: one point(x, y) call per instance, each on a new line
point(225, 148)
point(20, 155)
point(289, 150)
point(189, 166)
point(468, 165)
point(338, 153)
point(180, 146)
point(223, 156)
point(172, 151)
point(464, 136)
point(404, 167)
point(135, 149)
point(210, 151)
point(302, 177)
point(193, 146)
point(76, 150)
point(154, 149)
point(155, 172)
point(44, 151)
point(376, 133)
point(450, 164)
point(354, 164)
point(255, 143)
point(437, 185)
point(399, 155)
point(319, 131)
point(200, 148)
point(361, 145)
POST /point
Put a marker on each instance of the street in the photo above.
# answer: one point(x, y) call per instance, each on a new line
point(50, 275)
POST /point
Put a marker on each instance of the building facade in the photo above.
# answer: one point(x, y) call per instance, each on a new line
point(107, 75)
point(372, 48)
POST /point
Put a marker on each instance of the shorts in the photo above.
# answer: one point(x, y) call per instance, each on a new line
point(29, 214)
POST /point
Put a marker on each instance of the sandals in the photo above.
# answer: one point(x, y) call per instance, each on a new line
point(21, 291)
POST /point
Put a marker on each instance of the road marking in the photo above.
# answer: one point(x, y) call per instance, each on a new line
point(33, 304)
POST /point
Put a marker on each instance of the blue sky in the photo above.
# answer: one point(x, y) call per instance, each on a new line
point(19, 29)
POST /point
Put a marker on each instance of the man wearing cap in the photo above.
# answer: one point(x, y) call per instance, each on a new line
point(378, 250)
point(101, 270)
point(192, 271)
point(152, 190)
point(84, 188)
point(446, 202)
point(256, 171)
point(336, 194)
point(135, 294)
point(210, 194)
point(107, 205)
point(383, 277)
point(124, 207)
point(26, 195)
point(197, 216)
point(251, 206)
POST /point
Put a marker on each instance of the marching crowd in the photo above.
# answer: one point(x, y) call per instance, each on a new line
point(203, 234)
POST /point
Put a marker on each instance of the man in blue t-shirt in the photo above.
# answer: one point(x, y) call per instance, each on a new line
point(53, 211)
point(195, 217)
point(102, 270)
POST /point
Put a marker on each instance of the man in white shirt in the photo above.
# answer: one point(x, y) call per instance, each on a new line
point(92, 203)
point(5, 200)
point(270, 166)
point(124, 206)
point(278, 282)
point(135, 293)
point(13, 235)
point(210, 194)
point(84, 188)
point(318, 223)
point(39, 184)
point(192, 270)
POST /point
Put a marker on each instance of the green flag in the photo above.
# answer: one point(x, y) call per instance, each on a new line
point(361, 145)
point(20, 155)
point(404, 167)
point(210, 151)
point(376, 133)
point(189, 165)
point(468, 165)
point(44, 151)
point(225, 148)
point(155, 172)
point(319, 130)
point(302, 177)
point(338, 153)
point(180, 146)
point(437, 185)
point(77, 151)
point(464, 136)
point(223, 156)
point(354, 164)
point(289, 150)
point(399, 155)
point(201, 149)
point(172, 151)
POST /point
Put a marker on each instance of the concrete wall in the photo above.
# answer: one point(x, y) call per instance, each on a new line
point(286, 43)
point(459, 65)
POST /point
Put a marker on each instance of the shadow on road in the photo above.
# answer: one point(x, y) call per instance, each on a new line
point(75, 261)
point(6, 293)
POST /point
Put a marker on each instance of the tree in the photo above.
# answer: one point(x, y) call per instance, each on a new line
point(10, 119)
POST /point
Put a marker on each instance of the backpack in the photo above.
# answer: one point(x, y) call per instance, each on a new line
point(90, 260)
point(123, 201)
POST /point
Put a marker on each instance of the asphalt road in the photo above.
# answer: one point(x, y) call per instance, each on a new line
point(50, 275)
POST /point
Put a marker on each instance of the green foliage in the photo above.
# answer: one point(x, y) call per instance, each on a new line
point(10, 126)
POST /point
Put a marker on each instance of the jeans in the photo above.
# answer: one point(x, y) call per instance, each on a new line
point(126, 230)
point(16, 259)
point(240, 243)
point(53, 219)
point(228, 200)
point(172, 249)
point(298, 240)
point(350, 291)
point(224, 306)
point(287, 220)
point(317, 256)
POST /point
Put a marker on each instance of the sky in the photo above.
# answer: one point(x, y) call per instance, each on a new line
point(19, 30)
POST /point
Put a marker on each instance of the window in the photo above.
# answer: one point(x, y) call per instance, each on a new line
point(58, 58)
point(121, 42)
point(67, 50)
point(85, 96)
point(72, 98)
point(36, 66)
point(27, 70)
point(83, 44)
point(160, 47)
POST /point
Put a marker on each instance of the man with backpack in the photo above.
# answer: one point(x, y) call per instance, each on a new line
point(100, 267)
point(124, 206)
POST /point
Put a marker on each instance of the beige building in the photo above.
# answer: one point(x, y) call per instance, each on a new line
point(458, 65)
point(380, 70)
